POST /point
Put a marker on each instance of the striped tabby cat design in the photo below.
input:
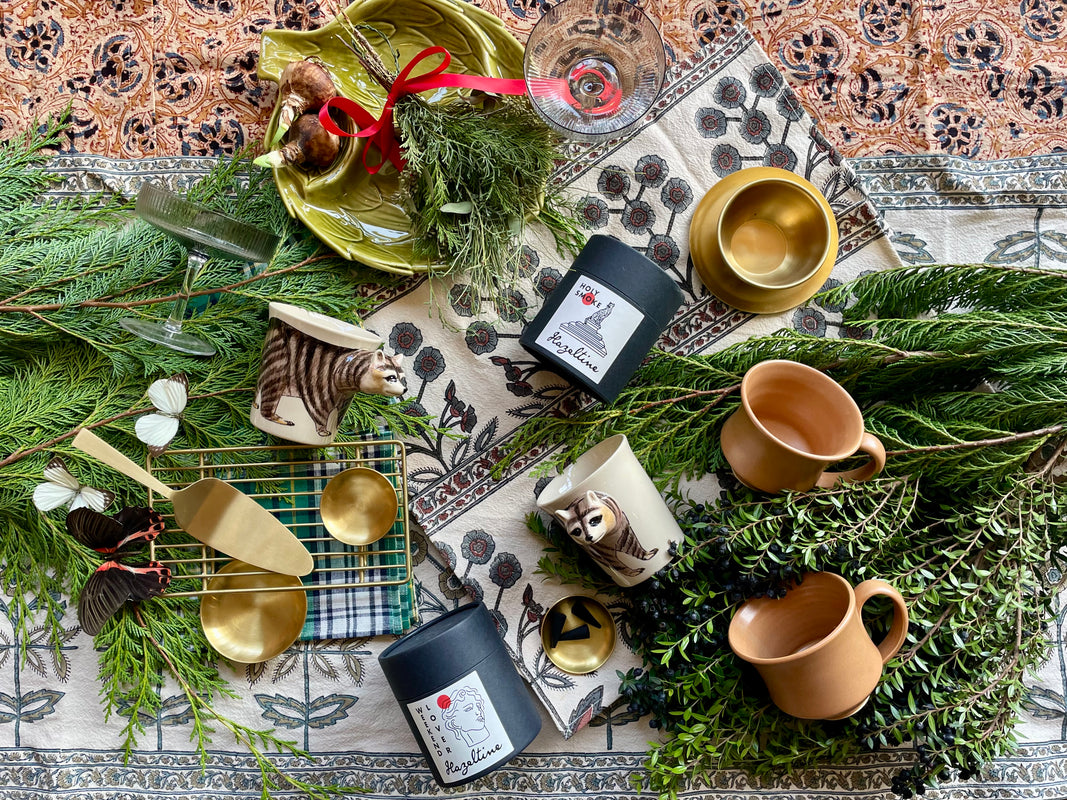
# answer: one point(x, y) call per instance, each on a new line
point(323, 376)
point(602, 528)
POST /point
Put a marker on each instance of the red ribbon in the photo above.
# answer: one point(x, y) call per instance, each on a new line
point(380, 131)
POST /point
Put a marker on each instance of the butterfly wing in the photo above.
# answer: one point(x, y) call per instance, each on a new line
point(156, 431)
point(170, 395)
point(49, 496)
point(113, 585)
point(96, 499)
point(62, 488)
point(132, 526)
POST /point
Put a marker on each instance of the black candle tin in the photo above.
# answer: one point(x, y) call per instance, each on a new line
point(607, 312)
point(461, 694)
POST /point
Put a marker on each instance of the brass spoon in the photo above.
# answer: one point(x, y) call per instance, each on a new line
point(215, 513)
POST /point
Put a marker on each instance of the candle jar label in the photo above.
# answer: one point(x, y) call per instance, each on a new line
point(461, 729)
point(590, 328)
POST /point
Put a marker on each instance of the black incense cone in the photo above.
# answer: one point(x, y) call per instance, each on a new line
point(556, 621)
point(584, 614)
point(581, 632)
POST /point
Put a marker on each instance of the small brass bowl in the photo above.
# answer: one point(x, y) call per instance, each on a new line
point(773, 234)
point(358, 506)
point(251, 615)
point(578, 656)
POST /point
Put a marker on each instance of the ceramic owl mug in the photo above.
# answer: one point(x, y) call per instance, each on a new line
point(608, 504)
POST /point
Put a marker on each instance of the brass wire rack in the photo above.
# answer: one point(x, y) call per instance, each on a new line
point(288, 481)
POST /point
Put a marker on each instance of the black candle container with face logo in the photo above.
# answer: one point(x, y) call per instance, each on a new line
point(461, 694)
point(607, 312)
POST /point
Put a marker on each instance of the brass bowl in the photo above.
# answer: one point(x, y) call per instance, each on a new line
point(581, 655)
point(773, 233)
point(752, 292)
point(251, 615)
point(358, 506)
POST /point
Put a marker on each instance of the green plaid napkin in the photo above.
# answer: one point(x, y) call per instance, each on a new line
point(337, 610)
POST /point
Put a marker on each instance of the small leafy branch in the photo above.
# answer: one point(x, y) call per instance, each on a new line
point(966, 521)
point(134, 658)
point(978, 586)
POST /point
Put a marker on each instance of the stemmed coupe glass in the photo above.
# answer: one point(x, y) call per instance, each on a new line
point(205, 234)
point(593, 68)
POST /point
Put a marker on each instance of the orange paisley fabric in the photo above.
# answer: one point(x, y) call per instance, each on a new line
point(979, 79)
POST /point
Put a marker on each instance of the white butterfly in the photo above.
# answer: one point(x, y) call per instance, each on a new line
point(169, 396)
point(62, 488)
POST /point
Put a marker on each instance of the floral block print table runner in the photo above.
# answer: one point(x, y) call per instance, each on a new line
point(178, 77)
point(726, 109)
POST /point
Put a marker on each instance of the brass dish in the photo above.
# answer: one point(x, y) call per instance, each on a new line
point(358, 506)
point(582, 655)
point(349, 210)
point(721, 279)
point(251, 616)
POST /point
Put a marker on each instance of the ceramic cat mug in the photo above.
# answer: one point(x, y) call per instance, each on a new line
point(311, 366)
point(608, 504)
point(793, 423)
point(811, 647)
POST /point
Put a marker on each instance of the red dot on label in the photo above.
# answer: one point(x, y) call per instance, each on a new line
point(444, 702)
point(588, 298)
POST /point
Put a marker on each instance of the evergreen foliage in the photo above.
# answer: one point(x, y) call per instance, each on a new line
point(69, 269)
point(966, 389)
point(474, 177)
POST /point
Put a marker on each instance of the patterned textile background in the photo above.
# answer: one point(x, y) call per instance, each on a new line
point(969, 78)
point(158, 88)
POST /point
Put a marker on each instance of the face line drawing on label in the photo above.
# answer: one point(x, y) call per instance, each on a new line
point(460, 728)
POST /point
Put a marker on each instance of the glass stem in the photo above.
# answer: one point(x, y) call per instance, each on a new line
point(192, 269)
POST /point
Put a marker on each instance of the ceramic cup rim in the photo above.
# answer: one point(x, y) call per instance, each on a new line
point(754, 373)
point(324, 327)
point(745, 276)
point(598, 457)
point(839, 582)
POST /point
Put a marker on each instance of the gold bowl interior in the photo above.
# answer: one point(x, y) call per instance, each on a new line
point(358, 506)
point(773, 234)
point(251, 615)
point(578, 656)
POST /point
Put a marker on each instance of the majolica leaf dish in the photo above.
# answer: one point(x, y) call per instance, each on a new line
point(356, 213)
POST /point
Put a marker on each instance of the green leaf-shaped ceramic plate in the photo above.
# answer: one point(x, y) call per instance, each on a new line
point(349, 210)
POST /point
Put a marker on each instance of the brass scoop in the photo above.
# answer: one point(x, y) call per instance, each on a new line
point(358, 506)
point(215, 513)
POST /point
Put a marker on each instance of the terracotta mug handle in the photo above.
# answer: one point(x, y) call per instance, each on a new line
point(872, 446)
point(898, 631)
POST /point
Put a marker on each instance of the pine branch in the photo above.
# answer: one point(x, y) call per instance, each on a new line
point(912, 290)
point(23, 156)
point(68, 271)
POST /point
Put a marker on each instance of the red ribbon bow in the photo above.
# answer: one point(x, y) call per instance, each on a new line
point(380, 131)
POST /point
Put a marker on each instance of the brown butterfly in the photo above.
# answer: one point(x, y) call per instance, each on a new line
point(115, 582)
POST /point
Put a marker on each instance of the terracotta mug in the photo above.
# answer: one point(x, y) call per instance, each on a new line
point(608, 504)
point(794, 422)
point(312, 365)
point(811, 647)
